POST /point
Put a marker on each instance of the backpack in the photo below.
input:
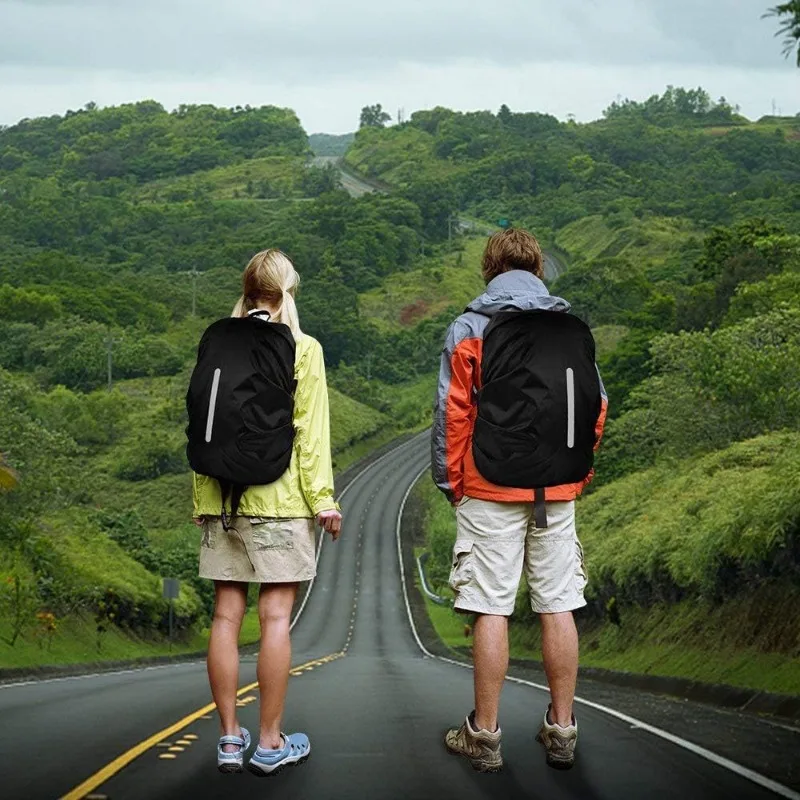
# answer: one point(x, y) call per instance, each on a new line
point(538, 403)
point(240, 403)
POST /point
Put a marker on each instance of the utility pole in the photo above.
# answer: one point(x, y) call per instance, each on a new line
point(450, 221)
point(194, 273)
point(109, 342)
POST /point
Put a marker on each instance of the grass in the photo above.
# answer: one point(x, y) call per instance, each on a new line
point(697, 558)
point(76, 642)
point(607, 337)
point(352, 421)
point(406, 298)
point(664, 641)
point(281, 174)
point(661, 244)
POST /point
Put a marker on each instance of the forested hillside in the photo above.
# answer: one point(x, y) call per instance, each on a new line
point(123, 233)
point(678, 221)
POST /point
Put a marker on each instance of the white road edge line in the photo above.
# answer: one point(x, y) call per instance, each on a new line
point(732, 766)
point(347, 488)
point(133, 670)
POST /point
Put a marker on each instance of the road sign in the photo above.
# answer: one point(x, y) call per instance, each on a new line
point(172, 588)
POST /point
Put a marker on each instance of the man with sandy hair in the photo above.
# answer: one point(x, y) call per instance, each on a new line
point(500, 529)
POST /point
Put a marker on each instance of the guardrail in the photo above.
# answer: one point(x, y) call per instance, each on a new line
point(426, 587)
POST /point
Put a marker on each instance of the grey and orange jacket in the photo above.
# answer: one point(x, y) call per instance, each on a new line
point(460, 379)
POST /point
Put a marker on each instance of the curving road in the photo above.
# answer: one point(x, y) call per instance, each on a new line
point(374, 705)
point(356, 187)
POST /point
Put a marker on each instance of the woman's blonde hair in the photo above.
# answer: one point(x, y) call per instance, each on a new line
point(270, 277)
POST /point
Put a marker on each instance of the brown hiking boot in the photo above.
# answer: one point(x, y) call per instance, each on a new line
point(559, 743)
point(482, 748)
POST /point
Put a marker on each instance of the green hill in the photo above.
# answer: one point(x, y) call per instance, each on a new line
point(127, 229)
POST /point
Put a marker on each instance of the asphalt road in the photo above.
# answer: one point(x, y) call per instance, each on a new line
point(374, 706)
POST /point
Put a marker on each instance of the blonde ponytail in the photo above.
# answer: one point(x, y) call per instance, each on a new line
point(288, 313)
point(270, 278)
point(240, 309)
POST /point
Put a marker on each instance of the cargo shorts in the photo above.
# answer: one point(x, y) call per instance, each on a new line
point(259, 550)
point(496, 541)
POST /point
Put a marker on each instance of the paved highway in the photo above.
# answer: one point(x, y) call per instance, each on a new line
point(374, 705)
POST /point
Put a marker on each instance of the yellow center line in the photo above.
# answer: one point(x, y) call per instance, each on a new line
point(119, 763)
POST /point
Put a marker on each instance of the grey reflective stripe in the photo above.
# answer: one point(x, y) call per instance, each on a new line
point(570, 408)
point(212, 403)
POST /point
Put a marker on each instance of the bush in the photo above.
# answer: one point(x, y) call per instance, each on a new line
point(706, 527)
point(150, 457)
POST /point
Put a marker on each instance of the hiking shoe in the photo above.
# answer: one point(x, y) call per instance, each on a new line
point(482, 748)
point(559, 743)
point(232, 762)
point(296, 749)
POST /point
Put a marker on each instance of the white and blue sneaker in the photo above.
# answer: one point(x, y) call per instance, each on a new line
point(232, 762)
point(296, 749)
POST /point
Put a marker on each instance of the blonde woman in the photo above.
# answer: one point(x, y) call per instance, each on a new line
point(271, 538)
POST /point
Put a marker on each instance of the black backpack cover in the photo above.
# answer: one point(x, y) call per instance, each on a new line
point(240, 403)
point(539, 402)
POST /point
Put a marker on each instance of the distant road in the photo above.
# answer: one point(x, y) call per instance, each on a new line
point(358, 187)
point(374, 704)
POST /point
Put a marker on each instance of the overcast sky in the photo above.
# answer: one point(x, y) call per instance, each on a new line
point(327, 60)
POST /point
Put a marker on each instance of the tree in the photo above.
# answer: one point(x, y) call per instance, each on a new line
point(8, 478)
point(373, 117)
point(789, 16)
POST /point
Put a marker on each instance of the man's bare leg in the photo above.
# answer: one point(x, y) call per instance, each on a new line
point(490, 653)
point(560, 656)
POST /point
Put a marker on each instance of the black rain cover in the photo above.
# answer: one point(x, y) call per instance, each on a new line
point(240, 402)
point(539, 401)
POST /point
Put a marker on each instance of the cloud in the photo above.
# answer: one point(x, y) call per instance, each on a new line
point(327, 60)
point(301, 38)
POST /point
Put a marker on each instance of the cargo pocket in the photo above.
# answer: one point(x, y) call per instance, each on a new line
point(581, 576)
point(272, 534)
point(463, 566)
point(209, 538)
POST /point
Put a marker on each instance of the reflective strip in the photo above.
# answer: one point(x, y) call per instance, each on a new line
point(212, 404)
point(570, 408)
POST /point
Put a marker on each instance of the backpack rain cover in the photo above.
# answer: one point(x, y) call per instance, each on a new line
point(539, 401)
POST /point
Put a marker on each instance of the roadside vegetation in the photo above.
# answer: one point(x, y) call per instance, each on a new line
point(104, 214)
point(678, 220)
point(123, 233)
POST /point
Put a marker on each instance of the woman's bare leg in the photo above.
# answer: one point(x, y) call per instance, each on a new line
point(274, 658)
point(223, 652)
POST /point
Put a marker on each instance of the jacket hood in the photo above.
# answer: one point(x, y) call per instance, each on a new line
point(516, 290)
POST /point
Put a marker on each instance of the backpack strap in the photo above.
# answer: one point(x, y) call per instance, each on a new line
point(235, 491)
point(539, 509)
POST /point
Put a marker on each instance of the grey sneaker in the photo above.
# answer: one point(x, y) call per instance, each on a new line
point(559, 743)
point(482, 748)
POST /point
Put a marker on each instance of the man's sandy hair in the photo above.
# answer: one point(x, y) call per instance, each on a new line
point(512, 249)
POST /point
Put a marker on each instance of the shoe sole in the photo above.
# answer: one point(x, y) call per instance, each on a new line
point(477, 765)
point(230, 769)
point(555, 763)
point(260, 773)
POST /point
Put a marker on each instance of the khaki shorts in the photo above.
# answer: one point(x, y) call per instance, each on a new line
point(259, 550)
point(494, 541)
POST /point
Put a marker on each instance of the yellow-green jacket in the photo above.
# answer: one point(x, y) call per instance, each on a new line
point(306, 488)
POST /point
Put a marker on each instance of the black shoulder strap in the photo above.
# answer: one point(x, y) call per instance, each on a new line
point(539, 509)
point(235, 490)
